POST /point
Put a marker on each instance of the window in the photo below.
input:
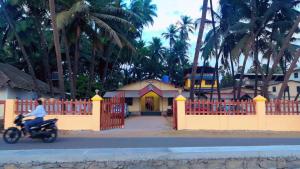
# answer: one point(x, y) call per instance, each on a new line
point(209, 82)
point(274, 89)
point(298, 89)
point(170, 101)
point(295, 75)
point(129, 101)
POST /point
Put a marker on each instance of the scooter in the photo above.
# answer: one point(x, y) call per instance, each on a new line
point(47, 131)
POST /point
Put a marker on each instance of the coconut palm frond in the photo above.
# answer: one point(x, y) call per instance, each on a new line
point(238, 48)
point(240, 27)
point(127, 42)
point(121, 12)
point(66, 17)
point(113, 18)
point(112, 34)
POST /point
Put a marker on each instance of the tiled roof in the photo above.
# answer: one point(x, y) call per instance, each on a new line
point(15, 78)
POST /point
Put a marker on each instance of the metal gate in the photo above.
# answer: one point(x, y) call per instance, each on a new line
point(113, 112)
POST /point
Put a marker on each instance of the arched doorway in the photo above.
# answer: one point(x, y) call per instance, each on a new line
point(150, 104)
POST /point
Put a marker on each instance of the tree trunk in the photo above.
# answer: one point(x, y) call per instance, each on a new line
point(285, 68)
point(216, 51)
point(21, 45)
point(201, 78)
point(198, 47)
point(288, 74)
point(256, 67)
point(57, 48)
point(92, 71)
point(45, 51)
point(232, 72)
point(107, 53)
point(285, 45)
point(242, 77)
point(264, 89)
point(215, 76)
point(77, 56)
point(71, 74)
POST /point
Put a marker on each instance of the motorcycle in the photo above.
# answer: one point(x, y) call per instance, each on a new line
point(47, 131)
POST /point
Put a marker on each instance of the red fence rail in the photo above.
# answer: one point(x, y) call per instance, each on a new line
point(203, 107)
point(113, 112)
point(283, 107)
point(56, 107)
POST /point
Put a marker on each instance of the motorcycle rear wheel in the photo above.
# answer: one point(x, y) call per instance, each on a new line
point(11, 135)
point(52, 136)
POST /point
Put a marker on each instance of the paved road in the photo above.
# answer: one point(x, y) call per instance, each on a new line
point(77, 143)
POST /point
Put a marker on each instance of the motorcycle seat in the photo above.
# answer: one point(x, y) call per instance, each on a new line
point(44, 122)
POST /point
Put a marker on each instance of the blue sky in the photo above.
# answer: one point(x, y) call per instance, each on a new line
point(169, 12)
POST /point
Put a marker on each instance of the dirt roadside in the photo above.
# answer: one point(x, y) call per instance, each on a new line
point(184, 133)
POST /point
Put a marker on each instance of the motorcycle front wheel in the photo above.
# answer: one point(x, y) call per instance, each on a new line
point(11, 135)
point(50, 136)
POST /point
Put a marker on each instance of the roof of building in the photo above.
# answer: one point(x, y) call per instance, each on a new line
point(276, 77)
point(297, 69)
point(276, 83)
point(205, 69)
point(16, 78)
point(136, 94)
point(143, 83)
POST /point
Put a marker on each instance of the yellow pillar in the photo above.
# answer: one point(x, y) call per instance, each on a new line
point(96, 100)
point(9, 113)
point(181, 119)
point(260, 109)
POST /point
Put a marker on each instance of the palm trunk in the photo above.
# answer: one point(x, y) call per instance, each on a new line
point(198, 47)
point(107, 53)
point(216, 51)
point(256, 67)
point(248, 46)
point(105, 72)
point(264, 90)
point(21, 45)
point(288, 74)
point(57, 48)
point(71, 74)
point(232, 72)
point(45, 51)
point(92, 71)
point(77, 56)
point(242, 77)
point(201, 77)
point(285, 45)
point(215, 76)
point(285, 68)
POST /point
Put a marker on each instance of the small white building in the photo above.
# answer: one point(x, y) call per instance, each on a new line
point(16, 84)
point(295, 76)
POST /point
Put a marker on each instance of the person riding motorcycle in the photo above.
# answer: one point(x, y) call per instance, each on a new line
point(39, 113)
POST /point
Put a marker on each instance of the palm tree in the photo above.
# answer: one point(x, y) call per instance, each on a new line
point(21, 45)
point(145, 10)
point(171, 34)
point(57, 48)
point(198, 47)
point(101, 23)
point(154, 65)
point(185, 26)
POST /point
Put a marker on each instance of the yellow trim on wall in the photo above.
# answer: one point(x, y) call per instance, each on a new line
point(156, 101)
point(187, 84)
